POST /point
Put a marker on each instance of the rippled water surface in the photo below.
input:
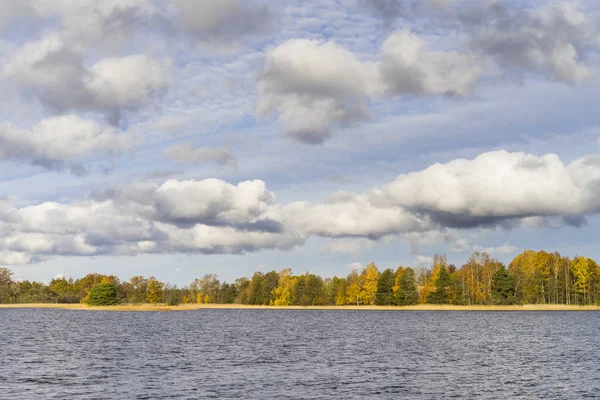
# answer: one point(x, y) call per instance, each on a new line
point(74, 354)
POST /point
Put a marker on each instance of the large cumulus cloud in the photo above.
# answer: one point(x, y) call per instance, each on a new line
point(313, 85)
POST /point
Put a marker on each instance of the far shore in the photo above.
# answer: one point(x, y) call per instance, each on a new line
point(420, 307)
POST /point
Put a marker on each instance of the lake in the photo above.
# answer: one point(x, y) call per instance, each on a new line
point(229, 353)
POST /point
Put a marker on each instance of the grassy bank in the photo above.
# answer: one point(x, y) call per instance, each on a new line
point(420, 307)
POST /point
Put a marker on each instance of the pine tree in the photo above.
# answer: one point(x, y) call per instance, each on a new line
point(385, 284)
point(503, 287)
point(408, 293)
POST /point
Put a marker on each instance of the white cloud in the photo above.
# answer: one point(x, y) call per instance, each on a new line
point(355, 266)
point(170, 124)
point(422, 260)
point(313, 85)
point(131, 81)
point(459, 246)
point(87, 22)
point(550, 40)
point(189, 153)
point(408, 67)
point(13, 11)
point(223, 21)
point(427, 238)
point(186, 203)
point(505, 248)
point(62, 141)
point(495, 186)
point(16, 258)
point(352, 216)
point(353, 246)
point(55, 74)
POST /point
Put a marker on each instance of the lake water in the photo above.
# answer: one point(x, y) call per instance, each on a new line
point(71, 354)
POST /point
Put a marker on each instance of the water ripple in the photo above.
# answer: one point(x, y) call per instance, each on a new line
point(296, 354)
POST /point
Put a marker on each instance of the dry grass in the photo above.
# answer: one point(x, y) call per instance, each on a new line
point(421, 307)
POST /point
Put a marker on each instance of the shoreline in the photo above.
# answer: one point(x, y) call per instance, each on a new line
point(192, 307)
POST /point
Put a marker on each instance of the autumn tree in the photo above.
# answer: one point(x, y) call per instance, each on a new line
point(6, 286)
point(586, 274)
point(559, 282)
point(33, 292)
point(172, 295)
point(139, 286)
point(65, 290)
point(227, 293)
point(341, 295)
point(282, 294)
point(155, 291)
point(308, 290)
point(242, 286)
point(353, 288)
point(209, 288)
point(370, 276)
point(397, 278)
point(332, 287)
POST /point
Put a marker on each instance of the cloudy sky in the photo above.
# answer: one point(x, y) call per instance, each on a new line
point(179, 137)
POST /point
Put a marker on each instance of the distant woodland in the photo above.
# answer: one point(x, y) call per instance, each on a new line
point(531, 278)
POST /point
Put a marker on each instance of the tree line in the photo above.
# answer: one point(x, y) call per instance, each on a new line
point(533, 277)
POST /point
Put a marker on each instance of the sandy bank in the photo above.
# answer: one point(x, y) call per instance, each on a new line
point(421, 307)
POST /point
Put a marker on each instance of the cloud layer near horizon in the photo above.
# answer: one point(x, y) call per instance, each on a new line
point(212, 216)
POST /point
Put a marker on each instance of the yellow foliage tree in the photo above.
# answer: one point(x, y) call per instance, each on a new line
point(282, 294)
point(354, 288)
point(397, 279)
point(369, 289)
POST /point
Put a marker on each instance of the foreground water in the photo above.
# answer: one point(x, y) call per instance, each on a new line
point(70, 354)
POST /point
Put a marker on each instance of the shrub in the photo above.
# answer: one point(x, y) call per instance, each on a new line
point(102, 294)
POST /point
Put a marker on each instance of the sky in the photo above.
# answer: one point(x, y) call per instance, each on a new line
point(176, 138)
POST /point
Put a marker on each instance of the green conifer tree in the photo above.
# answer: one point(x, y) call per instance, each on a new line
point(503, 287)
point(443, 282)
point(385, 285)
point(408, 293)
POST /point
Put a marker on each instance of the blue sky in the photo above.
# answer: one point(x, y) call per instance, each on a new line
point(175, 138)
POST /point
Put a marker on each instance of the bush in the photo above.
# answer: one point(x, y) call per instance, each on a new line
point(102, 294)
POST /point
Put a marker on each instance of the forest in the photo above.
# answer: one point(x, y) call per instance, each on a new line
point(532, 277)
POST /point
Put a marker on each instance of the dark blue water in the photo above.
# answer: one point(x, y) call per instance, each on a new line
point(71, 354)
